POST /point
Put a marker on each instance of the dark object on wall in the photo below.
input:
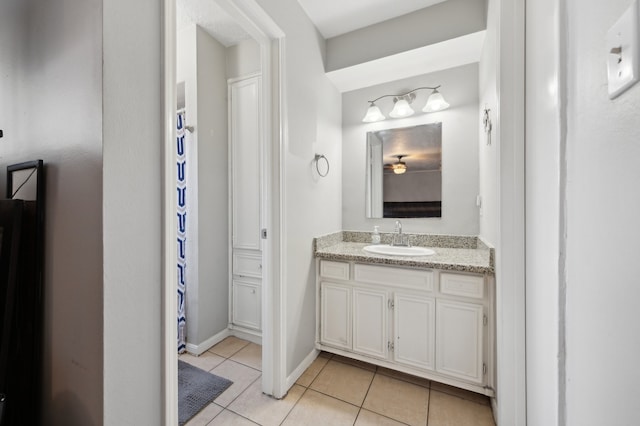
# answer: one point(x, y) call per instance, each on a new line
point(406, 209)
point(10, 227)
point(23, 309)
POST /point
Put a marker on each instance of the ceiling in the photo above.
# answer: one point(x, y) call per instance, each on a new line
point(331, 17)
point(420, 146)
point(336, 17)
point(212, 18)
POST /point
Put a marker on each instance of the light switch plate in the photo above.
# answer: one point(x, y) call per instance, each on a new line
point(622, 52)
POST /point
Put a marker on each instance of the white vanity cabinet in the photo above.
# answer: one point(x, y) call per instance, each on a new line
point(370, 322)
point(430, 323)
point(335, 308)
point(460, 327)
point(413, 328)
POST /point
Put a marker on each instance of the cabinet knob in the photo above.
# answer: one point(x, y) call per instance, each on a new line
point(253, 291)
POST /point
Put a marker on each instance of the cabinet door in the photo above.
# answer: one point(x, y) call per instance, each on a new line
point(459, 340)
point(414, 330)
point(335, 315)
point(244, 138)
point(370, 322)
point(247, 303)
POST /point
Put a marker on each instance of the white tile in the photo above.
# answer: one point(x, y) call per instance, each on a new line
point(205, 416)
point(263, 409)
point(241, 376)
point(228, 418)
point(315, 409)
point(207, 361)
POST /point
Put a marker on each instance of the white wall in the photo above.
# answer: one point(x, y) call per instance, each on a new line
point(51, 109)
point(459, 150)
point(422, 185)
point(201, 64)
point(543, 164)
point(443, 21)
point(488, 153)
point(212, 168)
point(132, 209)
point(311, 203)
point(243, 59)
point(602, 208)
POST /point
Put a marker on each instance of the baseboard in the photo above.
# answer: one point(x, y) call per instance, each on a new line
point(494, 409)
point(198, 350)
point(250, 335)
point(306, 362)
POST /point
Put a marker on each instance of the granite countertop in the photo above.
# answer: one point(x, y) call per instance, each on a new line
point(464, 254)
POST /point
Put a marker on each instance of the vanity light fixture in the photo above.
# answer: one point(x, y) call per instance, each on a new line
point(402, 105)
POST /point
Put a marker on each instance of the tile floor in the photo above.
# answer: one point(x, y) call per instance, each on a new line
point(333, 391)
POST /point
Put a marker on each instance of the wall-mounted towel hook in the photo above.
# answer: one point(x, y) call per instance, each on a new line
point(486, 121)
point(189, 128)
point(317, 159)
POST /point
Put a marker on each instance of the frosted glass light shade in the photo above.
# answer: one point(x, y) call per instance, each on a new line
point(373, 114)
point(399, 168)
point(435, 102)
point(401, 109)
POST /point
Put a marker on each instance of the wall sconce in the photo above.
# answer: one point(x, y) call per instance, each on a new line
point(402, 105)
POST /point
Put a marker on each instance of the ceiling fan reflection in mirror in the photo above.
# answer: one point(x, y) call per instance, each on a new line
point(399, 167)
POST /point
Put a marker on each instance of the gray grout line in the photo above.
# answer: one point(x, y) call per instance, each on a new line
point(429, 405)
point(365, 395)
point(294, 405)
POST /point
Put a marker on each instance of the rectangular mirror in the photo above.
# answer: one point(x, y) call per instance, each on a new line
point(404, 172)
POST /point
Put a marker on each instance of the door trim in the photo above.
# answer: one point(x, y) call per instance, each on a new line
point(271, 40)
point(169, 220)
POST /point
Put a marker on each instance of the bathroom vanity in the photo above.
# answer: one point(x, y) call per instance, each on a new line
point(430, 316)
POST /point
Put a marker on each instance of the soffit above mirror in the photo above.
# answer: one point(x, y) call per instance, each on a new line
point(448, 54)
point(337, 17)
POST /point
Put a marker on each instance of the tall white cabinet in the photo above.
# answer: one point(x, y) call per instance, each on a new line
point(245, 215)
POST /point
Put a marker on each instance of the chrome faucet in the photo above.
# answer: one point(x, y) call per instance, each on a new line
point(399, 239)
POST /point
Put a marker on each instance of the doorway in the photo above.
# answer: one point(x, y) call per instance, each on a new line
point(269, 38)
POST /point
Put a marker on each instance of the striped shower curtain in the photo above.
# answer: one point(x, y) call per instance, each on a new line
point(181, 231)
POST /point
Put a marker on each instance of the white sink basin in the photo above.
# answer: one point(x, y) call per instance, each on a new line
point(398, 250)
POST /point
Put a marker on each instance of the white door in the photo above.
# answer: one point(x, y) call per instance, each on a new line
point(335, 325)
point(459, 340)
point(414, 330)
point(370, 322)
point(245, 142)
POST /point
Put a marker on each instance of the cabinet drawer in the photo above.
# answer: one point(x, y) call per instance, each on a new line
point(462, 285)
point(412, 278)
point(334, 270)
point(247, 265)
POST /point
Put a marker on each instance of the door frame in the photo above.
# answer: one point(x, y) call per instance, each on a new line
point(272, 47)
point(511, 406)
